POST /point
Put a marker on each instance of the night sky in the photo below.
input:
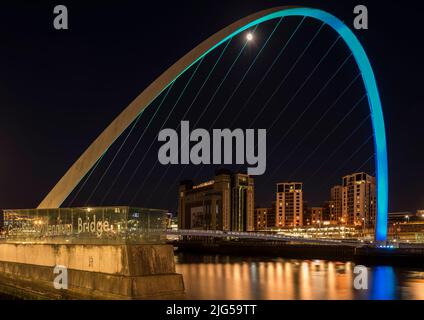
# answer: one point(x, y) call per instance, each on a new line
point(60, 89)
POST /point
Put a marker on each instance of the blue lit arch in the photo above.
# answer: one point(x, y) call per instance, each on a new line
point(87, 160)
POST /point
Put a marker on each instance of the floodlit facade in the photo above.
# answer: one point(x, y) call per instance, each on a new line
point(336, 203)
point(359, 199)
point(289, 204)
point(264, 218)
point(317, 217)
point(224, 203)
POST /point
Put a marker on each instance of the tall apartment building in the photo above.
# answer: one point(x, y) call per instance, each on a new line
point(224, 203)
point(289, 204)
point(336, 196)
point(359, 199)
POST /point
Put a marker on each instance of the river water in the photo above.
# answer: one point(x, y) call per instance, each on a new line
point(228, 277)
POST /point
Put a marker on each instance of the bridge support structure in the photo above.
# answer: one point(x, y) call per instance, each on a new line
point(145, 271)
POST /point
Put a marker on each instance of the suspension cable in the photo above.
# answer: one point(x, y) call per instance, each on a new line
point(333, 104)
point(266, 74)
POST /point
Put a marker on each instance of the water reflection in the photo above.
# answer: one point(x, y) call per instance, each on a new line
point(383, 283)
point(224, 277)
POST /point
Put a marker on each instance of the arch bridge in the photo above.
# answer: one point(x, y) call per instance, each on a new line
point(87, 160)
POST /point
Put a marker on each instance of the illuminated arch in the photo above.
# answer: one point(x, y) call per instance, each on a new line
point(87, 160)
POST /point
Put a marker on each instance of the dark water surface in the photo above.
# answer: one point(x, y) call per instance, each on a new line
point(218, 277)
point(225, 277)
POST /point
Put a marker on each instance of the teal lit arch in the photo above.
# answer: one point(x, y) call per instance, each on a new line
point(88, 159)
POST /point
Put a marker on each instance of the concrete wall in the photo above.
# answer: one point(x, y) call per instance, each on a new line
point(106, 259)
point(94, 271)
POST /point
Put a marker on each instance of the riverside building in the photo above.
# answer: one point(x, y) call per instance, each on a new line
point(289, 204)
point(224, 203)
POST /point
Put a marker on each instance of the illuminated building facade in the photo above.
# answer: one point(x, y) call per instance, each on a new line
point(224, 203)
point(242, 202)
point(335, 204)
point(359, 199)
point(261, 218)
point(289, 204)
point(317, 215)
point(264, 218)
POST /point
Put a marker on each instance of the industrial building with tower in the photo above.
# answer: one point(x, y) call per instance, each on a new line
point(224, 203)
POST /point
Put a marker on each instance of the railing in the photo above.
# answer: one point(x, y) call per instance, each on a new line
point(259, 236)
